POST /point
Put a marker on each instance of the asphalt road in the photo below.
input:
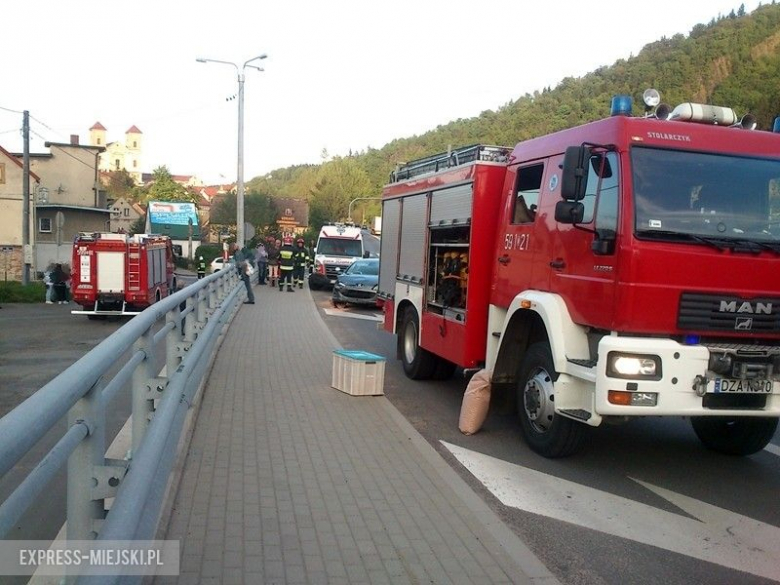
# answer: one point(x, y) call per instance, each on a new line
point(581, 547)
point(39, 341)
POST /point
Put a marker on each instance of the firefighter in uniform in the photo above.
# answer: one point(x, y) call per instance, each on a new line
point(201, 267)
point(300, 260)
point(286, 264)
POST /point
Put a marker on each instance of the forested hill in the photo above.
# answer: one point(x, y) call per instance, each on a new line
point(732, 61)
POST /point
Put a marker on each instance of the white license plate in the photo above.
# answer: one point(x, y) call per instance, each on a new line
point(722, 385)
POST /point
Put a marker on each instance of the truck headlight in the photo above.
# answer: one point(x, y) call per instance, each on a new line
point(633, 366)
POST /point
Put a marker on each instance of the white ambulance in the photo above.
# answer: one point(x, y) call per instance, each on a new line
point(338, 246)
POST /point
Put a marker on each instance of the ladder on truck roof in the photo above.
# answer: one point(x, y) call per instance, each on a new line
point(451, 158)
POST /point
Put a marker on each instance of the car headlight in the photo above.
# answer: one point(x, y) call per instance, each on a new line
point(338, 285)
point(633, 366)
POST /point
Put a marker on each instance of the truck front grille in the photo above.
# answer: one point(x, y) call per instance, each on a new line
point(701, 312)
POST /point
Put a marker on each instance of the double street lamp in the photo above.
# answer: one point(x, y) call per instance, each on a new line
point(240, 180)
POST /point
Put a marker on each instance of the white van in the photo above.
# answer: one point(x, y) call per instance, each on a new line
point(338, 246)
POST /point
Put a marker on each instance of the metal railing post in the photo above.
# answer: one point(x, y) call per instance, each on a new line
point(85, 515)
point(174, 349)
point(144, 388)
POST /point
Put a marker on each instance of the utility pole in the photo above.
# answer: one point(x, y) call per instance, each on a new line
point(26, 200)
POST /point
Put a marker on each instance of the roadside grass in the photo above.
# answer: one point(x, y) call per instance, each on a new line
point(13, 292)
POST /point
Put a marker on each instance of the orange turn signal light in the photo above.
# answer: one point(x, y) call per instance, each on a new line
point(619, 397)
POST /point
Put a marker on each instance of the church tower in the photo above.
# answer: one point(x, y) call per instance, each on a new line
point(97, 135)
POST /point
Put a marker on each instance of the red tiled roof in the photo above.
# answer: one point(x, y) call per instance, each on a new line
point(18, 162)
point(97, 126)
point(133, 130)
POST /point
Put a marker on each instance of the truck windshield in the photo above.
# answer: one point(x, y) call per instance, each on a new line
point(696, 197)
point(339, 247)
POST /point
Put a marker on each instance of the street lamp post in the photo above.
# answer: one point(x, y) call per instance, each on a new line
point(240, 170)
point(349, 212)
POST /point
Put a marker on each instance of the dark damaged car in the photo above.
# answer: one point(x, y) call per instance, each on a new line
point(357, 285)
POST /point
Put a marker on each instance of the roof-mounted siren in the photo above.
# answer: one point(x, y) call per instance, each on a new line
point(652, 100)
point(747, 122)
point(621, 105)
point(704, 114)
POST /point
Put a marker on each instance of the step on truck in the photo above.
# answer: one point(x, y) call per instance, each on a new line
point(117, 274)
point(629, 267)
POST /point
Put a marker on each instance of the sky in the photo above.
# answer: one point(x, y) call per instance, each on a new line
point(340, 75)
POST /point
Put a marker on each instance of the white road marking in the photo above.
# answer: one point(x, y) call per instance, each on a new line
point(365, 317)
point(773, 449)
point(716, 535)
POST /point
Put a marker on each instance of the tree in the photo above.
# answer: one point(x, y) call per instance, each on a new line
point(164, 188)
point(138, 226)
point(120, 184)
point(339, 181)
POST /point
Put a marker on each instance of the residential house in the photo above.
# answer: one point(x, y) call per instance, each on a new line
point(69, 199)
point(124, 213)
point(11, 211)
point(209, 195)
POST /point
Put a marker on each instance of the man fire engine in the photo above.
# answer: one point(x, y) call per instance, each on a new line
point(623, 268)
point(117, 274)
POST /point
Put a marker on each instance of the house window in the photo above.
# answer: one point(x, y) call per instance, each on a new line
point(2, 173)
point(44, 225)
point(98, 141)
point(135, 163)
point(135, 144)
point(126, 211)
point(116, 164)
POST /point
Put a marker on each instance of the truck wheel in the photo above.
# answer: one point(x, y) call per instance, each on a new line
point(734, 435)
point(545, 432)
point(419, 364)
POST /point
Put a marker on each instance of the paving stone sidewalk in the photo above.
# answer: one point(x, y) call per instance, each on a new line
point(288, 480)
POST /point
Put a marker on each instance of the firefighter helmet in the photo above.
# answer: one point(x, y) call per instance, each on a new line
point(299, 241)
point(287, 240)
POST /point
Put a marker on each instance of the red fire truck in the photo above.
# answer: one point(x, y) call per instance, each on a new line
point(628, 267)
point(117, 274)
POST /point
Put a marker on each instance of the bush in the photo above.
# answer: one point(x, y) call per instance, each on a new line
point(13, 292)
point(208, 251)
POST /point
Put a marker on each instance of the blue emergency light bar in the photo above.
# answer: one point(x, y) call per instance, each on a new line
point(621, 105)
point(776, 126)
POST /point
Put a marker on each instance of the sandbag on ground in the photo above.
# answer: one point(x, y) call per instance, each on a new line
point(476, 401)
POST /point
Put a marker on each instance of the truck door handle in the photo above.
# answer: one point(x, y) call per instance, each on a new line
point(558, 264)
point(505, 259)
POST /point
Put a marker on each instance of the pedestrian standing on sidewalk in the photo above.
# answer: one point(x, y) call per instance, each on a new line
point(49, 285)
point(243, 265)
point(201, 267)
point(273, 262)
point(261, 258)
point(286, 264)
point(300, 259)
point(58, 279)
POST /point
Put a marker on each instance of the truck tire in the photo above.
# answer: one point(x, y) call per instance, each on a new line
point(734, 435)
point(419, 364)
point(545, 432)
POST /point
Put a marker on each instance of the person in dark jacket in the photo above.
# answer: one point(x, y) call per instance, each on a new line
point(242, 265)
point(273, 261)
point(201, 267)
point(300, 259)
point(59, 282)
point(286, 264)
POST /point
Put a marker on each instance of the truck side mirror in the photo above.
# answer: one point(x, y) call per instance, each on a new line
point(569, 212)
point(574, 179)
point(366, 254)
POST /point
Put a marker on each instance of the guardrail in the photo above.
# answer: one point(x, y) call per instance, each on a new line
point(160, 400)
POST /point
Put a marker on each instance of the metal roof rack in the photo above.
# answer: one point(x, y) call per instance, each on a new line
point(451, 158)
